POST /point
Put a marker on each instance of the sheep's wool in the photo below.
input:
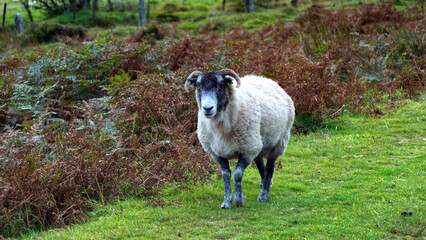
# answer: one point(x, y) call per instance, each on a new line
point(256, 118)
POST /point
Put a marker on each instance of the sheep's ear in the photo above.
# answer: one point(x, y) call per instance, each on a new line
point(191, 81)
point(190, 84)
point(228, 81)
point(231, 73)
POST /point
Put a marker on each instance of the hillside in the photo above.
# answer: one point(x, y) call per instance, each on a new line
point(93, 113)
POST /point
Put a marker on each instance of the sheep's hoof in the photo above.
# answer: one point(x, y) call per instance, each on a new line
point(239, 201)
point(263, 196)
point(226, 204)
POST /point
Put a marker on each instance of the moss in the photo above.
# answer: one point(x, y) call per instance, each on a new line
point(49, 32)
point(167, 17)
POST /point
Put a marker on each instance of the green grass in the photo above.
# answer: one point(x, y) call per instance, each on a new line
point(353, 182)
point(195, 9)
point(194, 16)
point(84, 18)
point(252, 21)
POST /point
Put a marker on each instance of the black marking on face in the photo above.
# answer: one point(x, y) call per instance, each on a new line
point(213, 84)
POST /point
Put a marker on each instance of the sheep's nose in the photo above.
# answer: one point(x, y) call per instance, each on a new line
point(207, 109)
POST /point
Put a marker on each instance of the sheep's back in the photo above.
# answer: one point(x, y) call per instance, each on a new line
point(276, 107)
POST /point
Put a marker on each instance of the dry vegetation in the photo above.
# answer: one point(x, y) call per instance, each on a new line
point(94, 122)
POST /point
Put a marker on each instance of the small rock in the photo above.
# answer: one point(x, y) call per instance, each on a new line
point(281, 213)
point(179, 235)
point(390, 201)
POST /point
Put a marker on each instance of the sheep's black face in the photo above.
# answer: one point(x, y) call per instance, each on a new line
point(213, 93)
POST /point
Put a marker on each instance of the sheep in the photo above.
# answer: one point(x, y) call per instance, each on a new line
point(247, 121)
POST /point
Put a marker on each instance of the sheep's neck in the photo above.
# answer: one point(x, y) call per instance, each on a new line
point(222, 125)
point(218, 127)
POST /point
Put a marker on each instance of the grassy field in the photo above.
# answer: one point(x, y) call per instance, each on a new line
point(194, 15)
point(362, 179)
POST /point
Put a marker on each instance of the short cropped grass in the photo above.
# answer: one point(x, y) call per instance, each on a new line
point(222, 21)
point(363, 180)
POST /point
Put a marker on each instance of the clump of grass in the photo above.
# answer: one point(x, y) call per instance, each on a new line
point(51, 32)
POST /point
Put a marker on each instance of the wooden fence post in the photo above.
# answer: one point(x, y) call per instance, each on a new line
point(148, 9)
point(4, 14)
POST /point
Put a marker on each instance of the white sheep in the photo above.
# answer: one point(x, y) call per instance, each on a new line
point(248, 121)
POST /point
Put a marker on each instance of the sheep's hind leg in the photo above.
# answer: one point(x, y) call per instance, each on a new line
point(269, 171)
point(243, 162)
point(226, 175)
point(267, 181)
point(261, 168)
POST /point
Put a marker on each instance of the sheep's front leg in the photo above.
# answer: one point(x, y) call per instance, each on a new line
point(243, 162)
point(226, 175)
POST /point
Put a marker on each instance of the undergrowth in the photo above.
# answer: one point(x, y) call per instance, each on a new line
point(91, 122)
